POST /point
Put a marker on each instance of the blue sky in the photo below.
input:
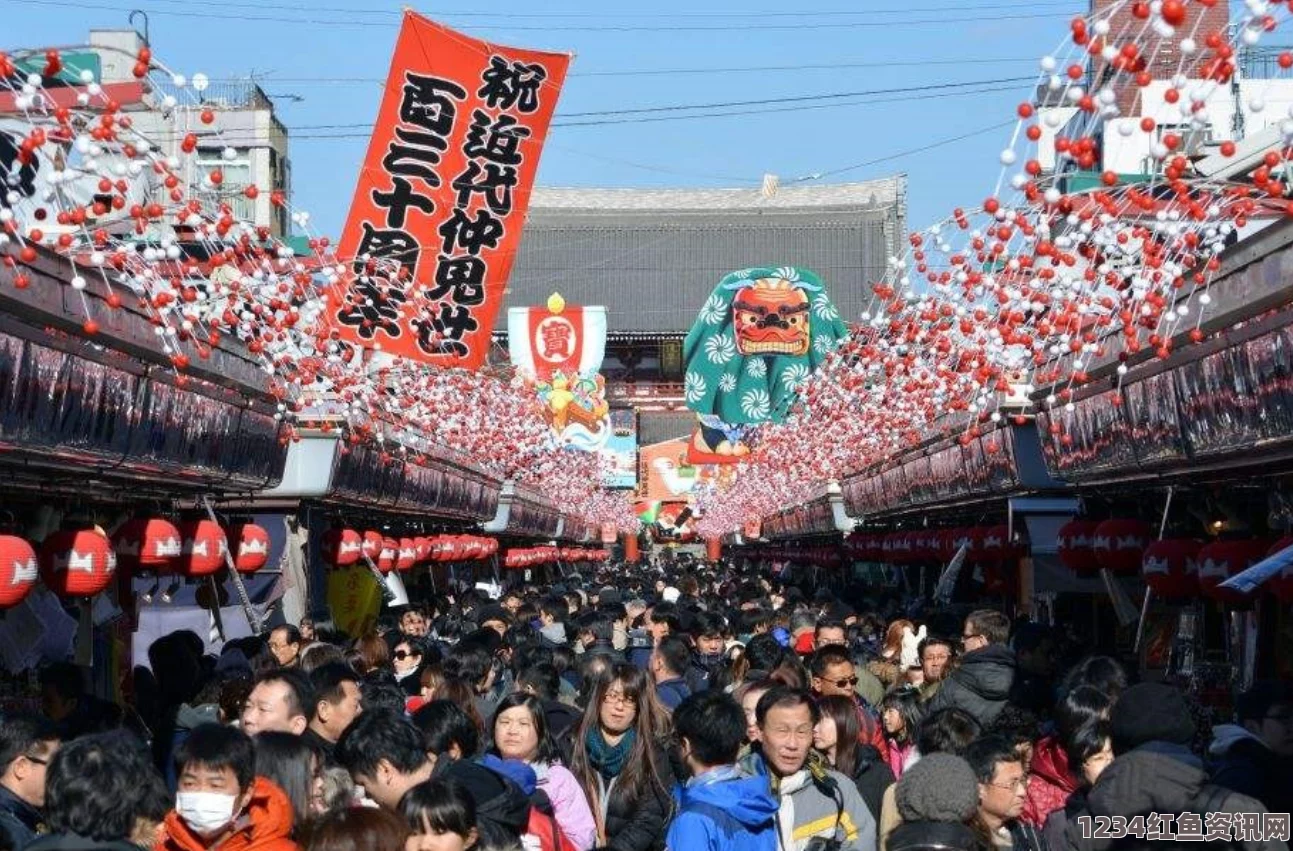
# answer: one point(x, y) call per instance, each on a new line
point(333, 56)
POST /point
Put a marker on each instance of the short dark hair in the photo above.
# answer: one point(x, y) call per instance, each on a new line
point(444, 805)
point(786, 697)
point(831, 654)
point(66, 680)
point(601, 626)
point(829, 623)
point(706, 623)
point(674, 651)
point(947, 731)
point(1258, 701)
point(985, 752)
point(293, 634)
point(543, 678)
point(713, 724)
point(666, 613)
point(1103, 672)
point(556, 608)
point(381, 734)
point(218, 747)
point(300, 693)
point(935, 641)
point(328, 680)
point(1085, 741)
point(547, 749)
point(443, 723)
point(97, 785)
point(991, 624)
point(20, 733)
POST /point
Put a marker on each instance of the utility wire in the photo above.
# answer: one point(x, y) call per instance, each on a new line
point(360, 22)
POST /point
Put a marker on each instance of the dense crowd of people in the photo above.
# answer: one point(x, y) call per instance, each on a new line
point(638, 709)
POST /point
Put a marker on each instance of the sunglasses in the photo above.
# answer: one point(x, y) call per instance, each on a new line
point(847, 682)
point(404, 654)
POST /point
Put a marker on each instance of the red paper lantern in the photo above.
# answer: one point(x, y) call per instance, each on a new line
point(423, 546)
point(1221, 560)
point(148, 543)
point(18, 570)
point(77, 563)
point(1171, 567)
point(1074, 545)
point(996, 543)
point(342, 547)
point(387, 555)
point(251, 547)
point(407, 555)
point(205, 548)
point(1119, 544)
point(1282, 585)
point(999, 578)
point(372, 544)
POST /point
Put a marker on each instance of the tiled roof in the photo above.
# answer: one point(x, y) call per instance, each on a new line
point(652, 256)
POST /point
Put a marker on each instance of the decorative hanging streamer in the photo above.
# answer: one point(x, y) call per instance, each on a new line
point(437, 215)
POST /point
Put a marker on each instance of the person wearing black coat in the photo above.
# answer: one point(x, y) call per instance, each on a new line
point(621, 759)
point(872, 775)
point(982, 682)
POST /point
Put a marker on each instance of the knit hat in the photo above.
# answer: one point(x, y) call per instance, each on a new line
point(939, 787)
point(1150, 712)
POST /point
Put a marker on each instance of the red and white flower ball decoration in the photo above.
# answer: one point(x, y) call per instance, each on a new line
point(109, 182)
point(1030, 288)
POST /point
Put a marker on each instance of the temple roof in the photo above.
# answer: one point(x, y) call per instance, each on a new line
point(652, 256)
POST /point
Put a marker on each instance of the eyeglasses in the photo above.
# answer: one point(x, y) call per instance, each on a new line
point(620, 697)
point(404, 654)
point(1019, 785)
point(36, 760)
point(847, 682)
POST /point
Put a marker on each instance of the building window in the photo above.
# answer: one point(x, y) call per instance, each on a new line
point(237, 177)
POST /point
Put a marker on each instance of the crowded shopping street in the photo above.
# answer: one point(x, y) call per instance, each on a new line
point(865, 427)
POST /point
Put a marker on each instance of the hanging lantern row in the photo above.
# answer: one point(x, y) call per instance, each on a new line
point(531, 556)
point(82, 562)
point(984, 545)
point(344, 547)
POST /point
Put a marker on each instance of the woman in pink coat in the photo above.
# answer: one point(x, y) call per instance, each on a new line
point(520, 732)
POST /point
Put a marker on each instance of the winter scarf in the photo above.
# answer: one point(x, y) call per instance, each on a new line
point(606, 758)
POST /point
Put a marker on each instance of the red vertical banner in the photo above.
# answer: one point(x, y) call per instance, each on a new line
point(436, 218)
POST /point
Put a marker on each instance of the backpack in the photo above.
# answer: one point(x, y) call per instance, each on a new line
point(543, 824)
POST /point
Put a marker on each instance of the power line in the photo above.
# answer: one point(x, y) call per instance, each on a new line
point(270, 79)
point(295, 135)
point(359, 22)
point(919, 150)
point(462, 13)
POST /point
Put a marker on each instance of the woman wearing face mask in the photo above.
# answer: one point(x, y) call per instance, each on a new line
point(520, 732)
point(407, 659)
point(621, 762)
point(221, 802)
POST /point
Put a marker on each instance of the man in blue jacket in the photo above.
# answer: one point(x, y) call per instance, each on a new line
point(720, 808)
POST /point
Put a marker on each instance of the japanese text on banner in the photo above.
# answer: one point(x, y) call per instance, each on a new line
point(437, 215)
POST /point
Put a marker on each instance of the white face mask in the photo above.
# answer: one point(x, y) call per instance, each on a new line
point(206, 813)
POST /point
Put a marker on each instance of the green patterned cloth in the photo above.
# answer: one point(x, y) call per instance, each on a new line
point(723, 384)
